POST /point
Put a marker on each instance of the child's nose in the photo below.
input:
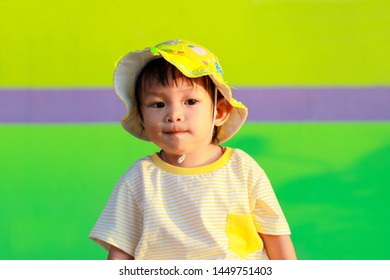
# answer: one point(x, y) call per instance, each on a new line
point(174, 115)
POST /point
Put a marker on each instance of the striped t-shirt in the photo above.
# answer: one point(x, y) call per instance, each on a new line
point(160, 211)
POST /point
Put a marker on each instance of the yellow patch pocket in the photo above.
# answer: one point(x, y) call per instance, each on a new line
point(242, 234)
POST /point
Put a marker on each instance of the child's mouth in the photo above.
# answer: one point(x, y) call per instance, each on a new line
point(175, 132)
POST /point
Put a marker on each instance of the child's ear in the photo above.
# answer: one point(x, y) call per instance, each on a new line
point(223, 111)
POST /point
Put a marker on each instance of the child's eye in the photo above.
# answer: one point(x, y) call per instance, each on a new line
point(158, 105)
point(191, 101)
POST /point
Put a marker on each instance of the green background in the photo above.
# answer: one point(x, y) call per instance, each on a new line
point(332, 179)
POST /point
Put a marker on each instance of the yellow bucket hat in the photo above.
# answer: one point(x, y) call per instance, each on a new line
point(189, 58)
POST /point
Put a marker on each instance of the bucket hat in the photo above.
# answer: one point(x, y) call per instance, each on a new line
point(190, 59)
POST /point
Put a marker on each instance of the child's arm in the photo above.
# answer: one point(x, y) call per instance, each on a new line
point(118, 254)
point(278, 247)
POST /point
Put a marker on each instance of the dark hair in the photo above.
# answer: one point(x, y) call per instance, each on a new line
point(163, 72)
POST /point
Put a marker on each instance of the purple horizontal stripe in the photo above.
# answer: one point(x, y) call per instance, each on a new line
point(316, 104)
point(59, 105)
point(264, 104)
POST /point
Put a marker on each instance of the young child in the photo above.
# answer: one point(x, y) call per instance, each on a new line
point(194, 199)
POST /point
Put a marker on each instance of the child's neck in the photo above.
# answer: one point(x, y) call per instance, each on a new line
point(195, 159)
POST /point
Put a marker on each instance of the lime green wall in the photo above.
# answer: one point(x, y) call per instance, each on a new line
point(259, 42)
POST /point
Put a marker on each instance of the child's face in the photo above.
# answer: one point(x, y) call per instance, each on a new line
point(178, 117)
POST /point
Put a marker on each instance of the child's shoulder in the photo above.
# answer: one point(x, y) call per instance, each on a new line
point(241, 153)
point(244, 156)
point(244, 159)
point(138, 167)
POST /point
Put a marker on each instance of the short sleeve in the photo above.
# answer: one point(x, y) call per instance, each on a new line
point(267, 213)
point(120, 224)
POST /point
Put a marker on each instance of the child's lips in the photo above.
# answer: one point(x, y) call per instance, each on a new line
point(175, 132)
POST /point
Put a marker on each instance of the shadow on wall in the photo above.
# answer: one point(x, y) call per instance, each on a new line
point(334, 191)
point(342, 215)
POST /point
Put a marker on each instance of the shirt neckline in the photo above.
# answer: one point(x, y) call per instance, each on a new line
point(193, 170)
